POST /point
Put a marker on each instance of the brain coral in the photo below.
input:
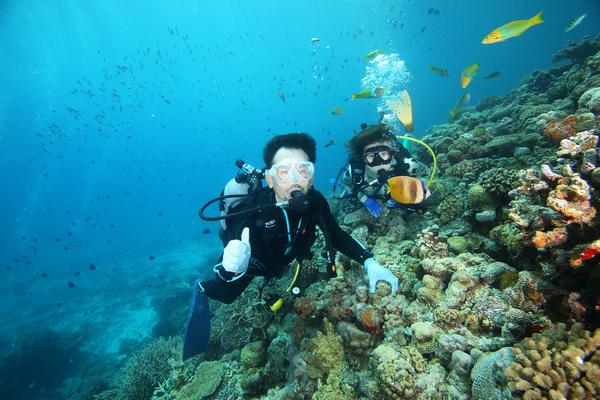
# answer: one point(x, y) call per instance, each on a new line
point(487, 377)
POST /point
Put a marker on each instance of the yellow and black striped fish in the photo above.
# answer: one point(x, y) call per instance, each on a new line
point(407, 190)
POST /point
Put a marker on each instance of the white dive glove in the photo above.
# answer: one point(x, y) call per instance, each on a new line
point(377, 272)
point(236, 254)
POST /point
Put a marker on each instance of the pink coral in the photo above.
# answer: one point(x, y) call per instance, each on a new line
point(577, 144)
point(571, 198)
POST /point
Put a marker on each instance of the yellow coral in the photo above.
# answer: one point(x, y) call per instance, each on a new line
point(326, 352)
point(557, 364)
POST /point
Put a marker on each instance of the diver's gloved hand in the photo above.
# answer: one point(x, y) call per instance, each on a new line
point(236, 254)
point(373, 207)
point(377, 272)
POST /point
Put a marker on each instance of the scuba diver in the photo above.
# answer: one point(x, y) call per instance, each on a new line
point(380, 172)
point(267, 228)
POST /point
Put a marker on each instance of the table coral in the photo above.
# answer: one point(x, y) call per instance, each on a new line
point(207, 379)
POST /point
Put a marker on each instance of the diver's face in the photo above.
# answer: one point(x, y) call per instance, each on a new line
point(380, 154)
point(291, 170)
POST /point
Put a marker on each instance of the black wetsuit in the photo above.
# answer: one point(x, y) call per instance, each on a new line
point(276, 242)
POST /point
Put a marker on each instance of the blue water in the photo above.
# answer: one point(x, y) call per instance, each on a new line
point(119, 119)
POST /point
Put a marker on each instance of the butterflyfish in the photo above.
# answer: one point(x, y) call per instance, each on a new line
point(574, 22)
point(372, 54)
point(512, 29)
point(468, 74)
point(407, 190)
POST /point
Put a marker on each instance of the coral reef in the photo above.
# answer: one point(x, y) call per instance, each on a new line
point(558, 363)
point(498, 273)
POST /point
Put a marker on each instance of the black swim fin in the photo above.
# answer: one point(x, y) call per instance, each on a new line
point(197, 331)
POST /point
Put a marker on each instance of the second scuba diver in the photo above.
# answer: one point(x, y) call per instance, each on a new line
point(270, 227)
point(375, 157)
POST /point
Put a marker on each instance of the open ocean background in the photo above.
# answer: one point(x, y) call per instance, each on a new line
point(118, 120)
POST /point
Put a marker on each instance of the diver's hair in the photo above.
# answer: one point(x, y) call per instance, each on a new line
point(369, 134)
point(302, 141)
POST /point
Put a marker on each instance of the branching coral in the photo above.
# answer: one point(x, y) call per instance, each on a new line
point(148, 368)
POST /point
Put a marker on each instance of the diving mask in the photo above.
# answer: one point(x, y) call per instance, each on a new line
point(378, 155)
point(294, 171)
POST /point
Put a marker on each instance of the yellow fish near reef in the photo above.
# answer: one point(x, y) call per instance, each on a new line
point(368, 94)
point(407, 190)
point(512, 29)
point(336, 111)
point(372, 54)
point(468, 74)
point(363, 94)
point(459, 106)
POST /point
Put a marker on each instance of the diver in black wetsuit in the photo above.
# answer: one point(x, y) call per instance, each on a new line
point(263, 240)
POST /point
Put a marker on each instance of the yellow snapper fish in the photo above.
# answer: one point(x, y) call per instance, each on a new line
point(574, 22)
point(367, 94)
point(372, 54)
point(512, 29)
point(407, 190)
point(468, 74)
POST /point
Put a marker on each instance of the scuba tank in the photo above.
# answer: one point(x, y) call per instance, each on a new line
point(247, 180)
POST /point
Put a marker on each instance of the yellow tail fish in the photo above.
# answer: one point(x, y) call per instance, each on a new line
point(468, 74)
point(372, 54)
point(512, 29)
